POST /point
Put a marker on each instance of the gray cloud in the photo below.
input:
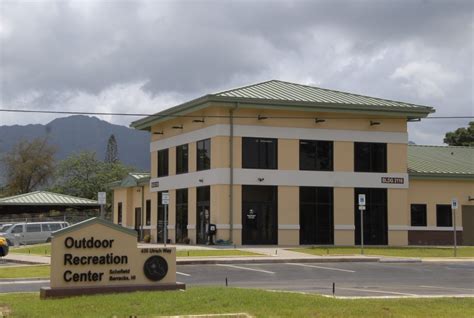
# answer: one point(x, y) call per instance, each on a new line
point(147, 55)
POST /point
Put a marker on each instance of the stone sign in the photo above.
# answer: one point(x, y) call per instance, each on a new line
point(97, 256)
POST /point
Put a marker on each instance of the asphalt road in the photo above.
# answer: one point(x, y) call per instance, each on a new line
point(351, 279)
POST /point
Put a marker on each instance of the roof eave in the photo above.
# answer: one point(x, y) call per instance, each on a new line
point(440, 176)
point(417, 111)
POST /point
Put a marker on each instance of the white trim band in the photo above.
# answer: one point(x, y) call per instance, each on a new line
point(171, 227)
point(288, 226)
point(423, 228)
point(191, 226)
point(348, 227)
point(279, 178)
point(280, 132)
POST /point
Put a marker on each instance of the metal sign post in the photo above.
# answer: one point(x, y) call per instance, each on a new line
point(165, 200)
point(101, 198)
point(454, 206)
point(361, 200)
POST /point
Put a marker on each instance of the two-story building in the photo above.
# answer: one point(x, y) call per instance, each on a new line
point(283, 163)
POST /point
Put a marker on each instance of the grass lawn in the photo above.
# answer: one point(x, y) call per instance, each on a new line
point(24, 271)
point(216, 253)
point(205, 300)
point(464, 251)
point(40, 249)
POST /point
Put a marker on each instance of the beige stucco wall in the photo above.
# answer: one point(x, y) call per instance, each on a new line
point(288, 214)
point(344, 215)
point(433, 192)
point(397, 215)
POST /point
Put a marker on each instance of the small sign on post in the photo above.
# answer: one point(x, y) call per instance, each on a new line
point(361, 200)
point(165, 200)
point(454, 206)
point(102, 200)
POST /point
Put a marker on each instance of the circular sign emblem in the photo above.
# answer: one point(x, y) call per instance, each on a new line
point(155, 268)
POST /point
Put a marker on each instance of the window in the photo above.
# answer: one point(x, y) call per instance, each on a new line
point(370, 157)
point(259, 153)
point(17, 229)
point(316, 215)
point(148, 212)
point(203, 155)
point(33, 228)
point(375, 221)
point(54, 227)
point(163, 163)
point(161, 218)
point(316, 155)
point(444, 215)
point(119, 213)
point(181, 215)
point(418, 215)
point(182, 159)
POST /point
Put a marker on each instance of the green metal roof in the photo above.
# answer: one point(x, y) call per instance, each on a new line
point(441, 161)
point(133, 179)
point(46, 198)
point(91, 221)
point(291, 96)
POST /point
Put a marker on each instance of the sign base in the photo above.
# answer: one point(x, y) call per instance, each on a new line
point(48, 292)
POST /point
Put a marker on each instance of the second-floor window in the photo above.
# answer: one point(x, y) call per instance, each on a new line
point(182, 159)
point(316, 155)
point(259, 153)
point(370, 157)
point(203, 155)
point(163, 163)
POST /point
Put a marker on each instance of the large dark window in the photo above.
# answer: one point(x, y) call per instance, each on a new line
point(418, 215)
point(182, 159)
point(375, 216)
point(161, 219)
point(181, 215)
point(119, 213)
point(163, 163)
point(203, 213)
point(316, 155)
point(370, 157)
point(444, 216)
point(316, 215)
point(203, 155)
point(259, 153)
point(148, 212)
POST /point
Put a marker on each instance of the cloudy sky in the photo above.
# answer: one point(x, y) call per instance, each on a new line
point(144, 56)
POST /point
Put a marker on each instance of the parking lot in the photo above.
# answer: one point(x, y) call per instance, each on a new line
point(351, 279)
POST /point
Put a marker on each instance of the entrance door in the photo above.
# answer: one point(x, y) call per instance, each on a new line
point(259, 215)
point(468, 224)
point(375, 216)
point(160, 224)
point(138, 219)
point(316, 215)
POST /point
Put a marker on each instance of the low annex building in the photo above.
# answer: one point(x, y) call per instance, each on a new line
point(283, 163)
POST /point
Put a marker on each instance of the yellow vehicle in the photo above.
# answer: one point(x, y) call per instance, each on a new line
point(3, 247)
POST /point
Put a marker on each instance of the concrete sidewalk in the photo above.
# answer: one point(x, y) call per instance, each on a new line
point(267, 255)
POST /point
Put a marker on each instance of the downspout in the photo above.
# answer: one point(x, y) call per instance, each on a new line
point(231, 172)
point(143, 213)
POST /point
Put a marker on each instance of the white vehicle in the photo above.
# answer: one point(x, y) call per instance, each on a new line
point(31, 232)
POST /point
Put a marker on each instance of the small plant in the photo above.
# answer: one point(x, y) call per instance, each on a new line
point(186, 240)
point(147, 238)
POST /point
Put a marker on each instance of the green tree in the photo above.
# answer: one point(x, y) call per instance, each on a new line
point(461, 136)
point(28, 165)
point(82, 175)
point(111, 153)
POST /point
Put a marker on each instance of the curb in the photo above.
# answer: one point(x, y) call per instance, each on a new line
point(6, 280)
point(274, 261)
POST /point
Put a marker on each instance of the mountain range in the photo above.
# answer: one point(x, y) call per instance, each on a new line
point(79, 133)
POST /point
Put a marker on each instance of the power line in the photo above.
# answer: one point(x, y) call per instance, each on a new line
point(59, 112)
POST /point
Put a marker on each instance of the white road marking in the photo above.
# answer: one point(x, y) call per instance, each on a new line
point(246, 268)
point(445, 287)
point(322, 267)
point(24, 282)
point(375, 291)
point(184, 274)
